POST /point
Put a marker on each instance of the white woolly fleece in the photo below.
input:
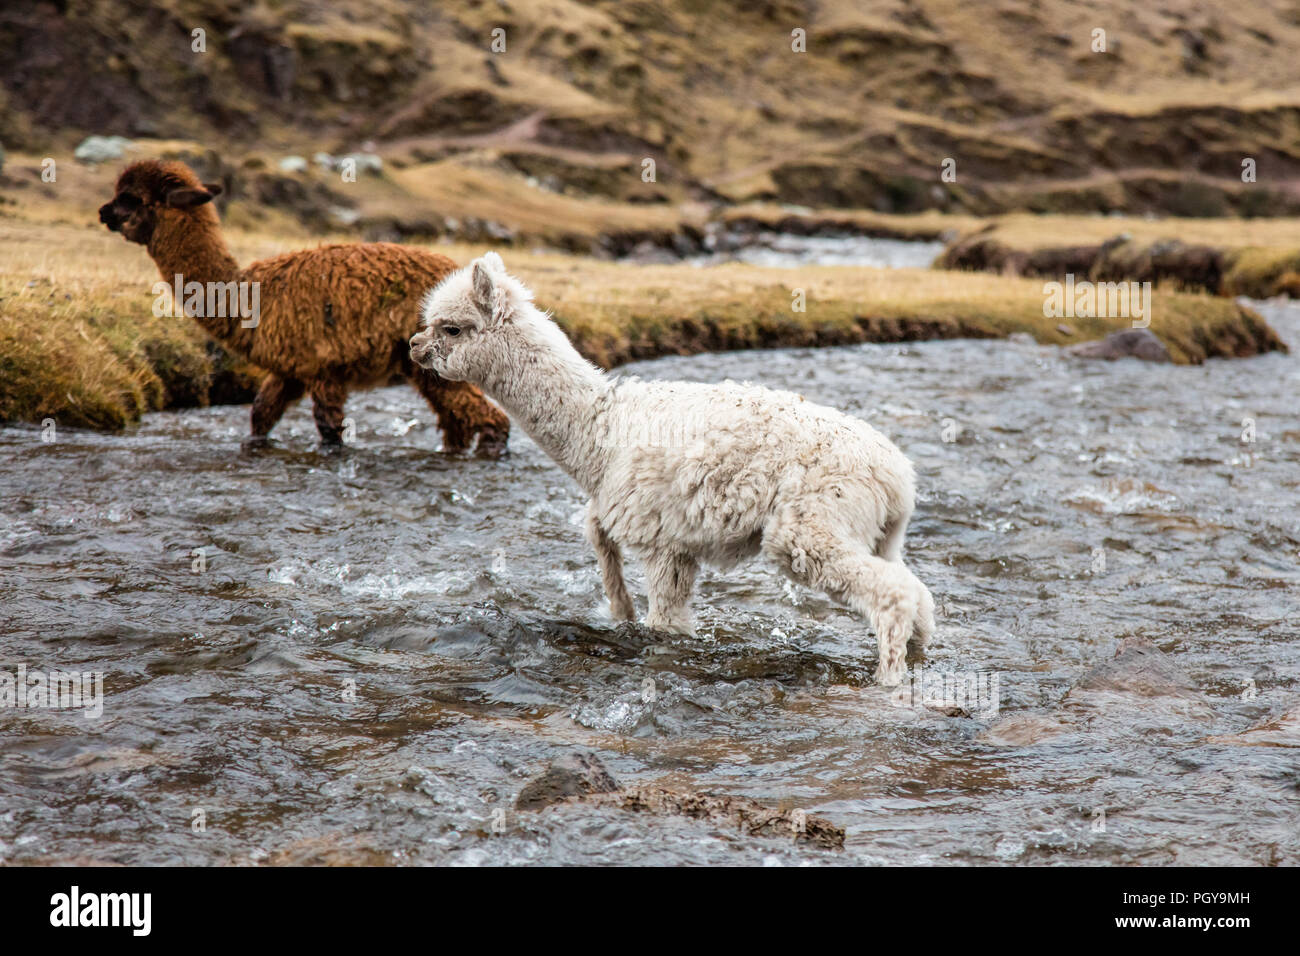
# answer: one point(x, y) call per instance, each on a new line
point(688, 473)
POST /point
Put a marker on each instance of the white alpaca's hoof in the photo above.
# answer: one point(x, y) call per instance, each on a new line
point(890, 678)
point(676, 628)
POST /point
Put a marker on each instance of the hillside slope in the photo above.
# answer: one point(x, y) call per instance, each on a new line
point(711, 90)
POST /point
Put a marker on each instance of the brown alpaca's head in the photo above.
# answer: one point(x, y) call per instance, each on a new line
point(152, 190)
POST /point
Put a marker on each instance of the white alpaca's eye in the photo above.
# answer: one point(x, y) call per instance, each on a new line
point(451, 329)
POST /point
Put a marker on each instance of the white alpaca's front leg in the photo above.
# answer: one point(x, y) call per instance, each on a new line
point(610, 558)
point(670, 578)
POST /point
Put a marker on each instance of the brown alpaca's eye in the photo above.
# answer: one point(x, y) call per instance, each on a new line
point(451, 329)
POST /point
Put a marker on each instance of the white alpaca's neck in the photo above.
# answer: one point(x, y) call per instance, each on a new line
point(556, 395)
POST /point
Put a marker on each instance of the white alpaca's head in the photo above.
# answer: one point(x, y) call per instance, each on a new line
point(467, 321)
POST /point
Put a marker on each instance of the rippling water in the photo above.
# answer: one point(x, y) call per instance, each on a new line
point(790, 251)
point(1064, 507)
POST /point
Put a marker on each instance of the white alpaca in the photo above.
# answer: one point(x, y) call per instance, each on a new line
point(684, 473)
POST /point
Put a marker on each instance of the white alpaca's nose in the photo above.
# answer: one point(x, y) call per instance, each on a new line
point(421, 348)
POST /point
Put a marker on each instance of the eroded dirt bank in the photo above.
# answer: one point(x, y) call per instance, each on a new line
point(1195, 267)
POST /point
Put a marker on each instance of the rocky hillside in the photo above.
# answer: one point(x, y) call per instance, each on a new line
point(711, 90)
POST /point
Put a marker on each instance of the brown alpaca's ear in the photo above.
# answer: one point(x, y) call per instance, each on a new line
point(213, 188)
point(189, 198)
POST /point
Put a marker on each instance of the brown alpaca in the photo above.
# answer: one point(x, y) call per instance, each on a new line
point(331, 319)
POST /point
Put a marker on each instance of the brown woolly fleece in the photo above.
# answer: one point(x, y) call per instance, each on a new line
point(332, 319)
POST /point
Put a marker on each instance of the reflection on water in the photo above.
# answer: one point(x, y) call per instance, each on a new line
point(373, 650)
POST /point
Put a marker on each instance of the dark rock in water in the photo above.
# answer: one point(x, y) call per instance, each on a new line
point(1139, 679)
point(740, 813)
point(1126, 343)
point(572, 775)
point(1138, 667)
point(1023, 730)
point(581, 778)
point(1138, 691)
point(1280, 731)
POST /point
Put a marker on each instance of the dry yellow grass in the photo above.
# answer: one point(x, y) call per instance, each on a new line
point(606, 306)
point(461, 190)
point(1027, 231)
point(1031, 231)
point(79, 343)
point(1259, 251)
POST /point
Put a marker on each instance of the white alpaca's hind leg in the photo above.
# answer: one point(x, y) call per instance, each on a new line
point(610, 558)
point(924, 615)
point(890, 548)
point(884, 592)
point(670, 578)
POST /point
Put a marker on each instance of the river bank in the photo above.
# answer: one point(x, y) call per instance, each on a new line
point(79, 343)
point(1259, 258)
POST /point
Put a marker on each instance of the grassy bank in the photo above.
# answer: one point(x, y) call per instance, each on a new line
point(1259, 258)
point(79, 343)
point(496, 195)
point(1252, 257)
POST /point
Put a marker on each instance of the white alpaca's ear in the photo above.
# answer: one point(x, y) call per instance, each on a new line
point(483, 289)
point(493, 261)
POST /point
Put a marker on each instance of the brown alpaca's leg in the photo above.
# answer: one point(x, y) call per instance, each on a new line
point(273, 396)
point(462, 413)
point(327, 406)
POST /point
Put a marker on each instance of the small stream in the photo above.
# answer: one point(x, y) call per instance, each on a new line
point(785, 250)
point(376, 648)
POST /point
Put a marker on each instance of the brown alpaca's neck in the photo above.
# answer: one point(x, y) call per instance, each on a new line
point(190, 245)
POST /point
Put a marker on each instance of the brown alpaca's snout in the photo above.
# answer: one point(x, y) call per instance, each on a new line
point(109, 217)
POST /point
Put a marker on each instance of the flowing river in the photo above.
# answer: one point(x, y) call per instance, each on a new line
point(358, 657)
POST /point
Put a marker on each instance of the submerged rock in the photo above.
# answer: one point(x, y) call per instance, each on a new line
point(1023, 730)
point(572, 775)
point(748, 816)
point(1139, 679)
point(1126, 343)
point(1282, 730)
point(1139, 690)
point(582, 778)
point(1138, 667)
